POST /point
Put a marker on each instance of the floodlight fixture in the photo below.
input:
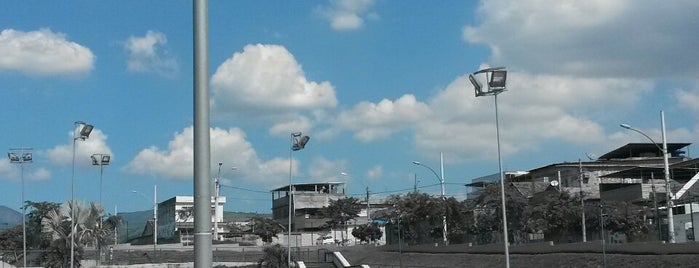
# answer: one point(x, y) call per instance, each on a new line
point(100, 159)
point(85, 130)
point(14, 158)
point(300, 142)
point(23, 157)
point(497, 78)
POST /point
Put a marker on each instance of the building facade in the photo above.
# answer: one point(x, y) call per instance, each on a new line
point(307, 200)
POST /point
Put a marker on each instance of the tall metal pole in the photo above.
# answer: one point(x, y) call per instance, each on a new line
point(155, 218)
point(202, 142)
point(72, 205)
point(21, 159)
point(655, 206)
point(582, 201)
point(444, 199)
point(668, 191)
point(666, 166)
point(289, 197)
point(441, 182)
point(216, 192)
point(502, 187)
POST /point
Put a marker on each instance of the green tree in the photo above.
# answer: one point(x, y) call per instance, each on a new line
point(266, 228)
point(487, 213)
point(626, 218)
point(274, 256)
point(11, 244)
point(556, 214)
point(88, 230)
point(368, 232)
point(37, 211)
point(420, 215)
point(341, 211)
point(457, 226)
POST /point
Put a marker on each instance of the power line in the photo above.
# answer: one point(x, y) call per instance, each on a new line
point(246, 189)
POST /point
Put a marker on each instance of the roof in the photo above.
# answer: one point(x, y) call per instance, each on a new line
point(682, 171)
point(308, 186)
point(643, 150)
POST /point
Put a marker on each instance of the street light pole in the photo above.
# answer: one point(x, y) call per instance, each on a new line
point(216, 192)
point(23, 157)
point(100, 160)
point(582, 202)
point(666, 166)
point(155, 214)
point(80, 132)
point(298, 142)
point(444, 198)
point(497, 78)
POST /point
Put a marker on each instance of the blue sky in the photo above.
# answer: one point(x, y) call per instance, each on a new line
point(377, 84)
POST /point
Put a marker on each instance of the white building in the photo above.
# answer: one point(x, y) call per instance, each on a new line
point(176, 219)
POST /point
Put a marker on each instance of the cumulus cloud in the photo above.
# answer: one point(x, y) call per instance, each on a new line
point(62, 155)
point(590, 38)
point(536, 108)
point(688, 99)
point(177, 161)
point(266, 83)
point(43, 53)
point(329, 170)
point(372, 121)
point(147, 54)
point(345, 15)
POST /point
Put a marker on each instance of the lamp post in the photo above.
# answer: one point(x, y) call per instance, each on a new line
point(217, 187)
point(582, 202)
point(155, 214)
point(24, 156)
point(298, 142)
point(496, 84)
point(444, 198)
point(100, 160)
point(81, 132)
point(666, 166)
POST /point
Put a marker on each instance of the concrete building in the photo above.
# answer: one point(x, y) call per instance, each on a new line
point(606, 177)
point(307, 199)
point(176, 219)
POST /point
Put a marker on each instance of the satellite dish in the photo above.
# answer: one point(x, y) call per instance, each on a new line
point(554, 183)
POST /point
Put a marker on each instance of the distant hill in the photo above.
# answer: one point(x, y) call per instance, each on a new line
point(9, 217)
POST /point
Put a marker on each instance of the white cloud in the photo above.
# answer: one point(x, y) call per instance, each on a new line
point(590, 38)
point(345, 15)
point(375, 173)
point(264, 83)
point(536, 109)
point(328, 170)
point(43, 53)
point(688, 99)
point(96, 144)
point(372, 121)
point(147, 55)
point(227, 146)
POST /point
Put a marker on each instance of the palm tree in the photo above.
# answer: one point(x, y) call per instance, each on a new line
point(88, 230)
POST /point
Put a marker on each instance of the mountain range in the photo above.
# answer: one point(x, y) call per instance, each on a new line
point(9, 217)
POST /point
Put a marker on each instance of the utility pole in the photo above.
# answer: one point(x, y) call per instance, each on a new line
point(582, 202)
point(217, 188)
point(368, 207)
